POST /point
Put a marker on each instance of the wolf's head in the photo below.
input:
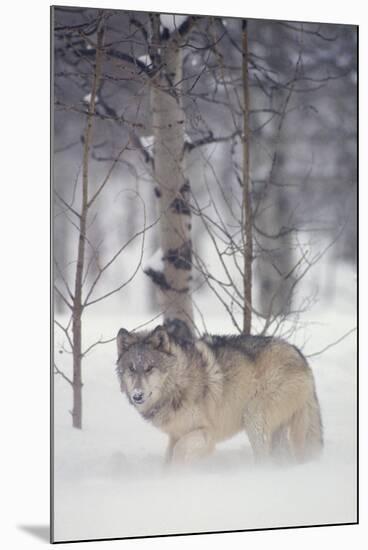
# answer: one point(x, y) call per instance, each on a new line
point(145, 361)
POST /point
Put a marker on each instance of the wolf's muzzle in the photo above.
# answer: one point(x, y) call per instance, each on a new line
point(138, 397)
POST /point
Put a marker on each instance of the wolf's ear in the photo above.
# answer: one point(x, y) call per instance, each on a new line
point(160, 339)
point(124, 339)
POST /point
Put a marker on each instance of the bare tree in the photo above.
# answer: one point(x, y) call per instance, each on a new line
point(202, 84)
point(86, 204)
point(83, 293)
point(247, 222)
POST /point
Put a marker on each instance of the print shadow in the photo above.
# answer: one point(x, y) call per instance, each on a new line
point(42, 532)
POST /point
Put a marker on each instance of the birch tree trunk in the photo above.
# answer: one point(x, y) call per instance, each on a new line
point(172, 188)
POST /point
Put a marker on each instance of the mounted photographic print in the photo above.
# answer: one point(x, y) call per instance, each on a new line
point(204, 202)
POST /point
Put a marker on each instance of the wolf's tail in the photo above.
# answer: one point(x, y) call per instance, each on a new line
point(306, 432)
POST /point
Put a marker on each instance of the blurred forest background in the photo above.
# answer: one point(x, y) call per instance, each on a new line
point(202, 165)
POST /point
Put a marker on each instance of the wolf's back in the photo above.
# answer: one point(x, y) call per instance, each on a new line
point(250, 345)
point(279, 386)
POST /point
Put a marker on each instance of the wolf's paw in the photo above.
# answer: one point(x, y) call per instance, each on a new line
point(182, 455)
point(191, 447)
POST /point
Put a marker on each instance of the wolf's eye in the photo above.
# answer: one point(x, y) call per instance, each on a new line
point(131, 367)
point(148, 368)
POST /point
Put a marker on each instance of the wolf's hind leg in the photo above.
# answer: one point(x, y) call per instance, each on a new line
point(280, 446)
point(257, 432)
point(306, 434)
point(192, 446)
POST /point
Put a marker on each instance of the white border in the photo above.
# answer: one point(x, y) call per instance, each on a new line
point(25, 268)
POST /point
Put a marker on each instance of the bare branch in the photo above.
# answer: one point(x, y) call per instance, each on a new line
point(63, 279)
point(107, 177)
point(58, 371)
point(65, 331)
point(332, 344)
point(63, 297)
point(114, 258)
point(67, 206)
point(97, 343)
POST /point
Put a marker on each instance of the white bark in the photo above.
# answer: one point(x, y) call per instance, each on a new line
point(172, 188)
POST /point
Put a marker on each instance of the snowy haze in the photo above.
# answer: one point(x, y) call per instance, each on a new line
point(110, 480)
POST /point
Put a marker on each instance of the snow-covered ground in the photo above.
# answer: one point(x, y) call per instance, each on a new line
point(110, 480)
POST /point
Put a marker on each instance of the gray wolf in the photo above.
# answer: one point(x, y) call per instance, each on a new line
point(203, 391)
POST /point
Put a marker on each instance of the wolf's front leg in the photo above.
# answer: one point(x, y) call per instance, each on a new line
point(192, 446)
point(169, 450)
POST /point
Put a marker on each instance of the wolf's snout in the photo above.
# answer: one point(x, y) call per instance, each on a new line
point(138, 396)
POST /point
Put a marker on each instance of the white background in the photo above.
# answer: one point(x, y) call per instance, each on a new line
point(25, 258)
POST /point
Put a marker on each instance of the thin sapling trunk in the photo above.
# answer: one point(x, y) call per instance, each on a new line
point(247, 204)
point(77, 301)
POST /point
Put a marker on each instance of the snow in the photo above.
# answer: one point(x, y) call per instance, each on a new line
point(110, 479)
point(187, 138)
point(155, 262)
point(146, 59)
point(87, 98)
point(171, 21)
point(147, 141)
